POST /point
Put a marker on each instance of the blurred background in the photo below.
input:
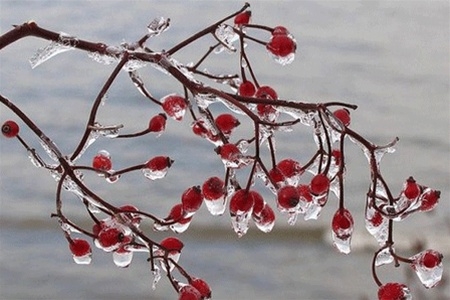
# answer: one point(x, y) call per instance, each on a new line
point(391, 58)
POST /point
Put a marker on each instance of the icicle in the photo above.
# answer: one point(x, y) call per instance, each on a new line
point(65, 43)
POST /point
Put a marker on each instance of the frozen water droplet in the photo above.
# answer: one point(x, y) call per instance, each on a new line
point(293, 217)
point(154, 174)
point(240, 222)
point(64, 43)
point(216, 207)
point(122, 258)
point(283, 60)
point(313, 211)
point(158, 26)
point(113, 178)
point(83, 260)
point(159, 227)
point(384, 257)
point(342, 243)
point(181, 226)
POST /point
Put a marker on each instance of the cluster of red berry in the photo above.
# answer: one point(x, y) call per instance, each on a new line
point(294, 192)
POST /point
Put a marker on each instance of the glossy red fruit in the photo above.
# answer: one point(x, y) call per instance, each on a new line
point(110, 236)
point(288, 197)
point(213, 188)
point(172, 244)
point(241, 201)
point(188, 292)
point(266, 92)
point(102, 161)
point(319, 184)
point(276, 176)
point(280, 30)
point(80, 247)
point(226, 123)
point(247, 89)
point(258, 203)
point(304, 193)
point(289, 167)
point(337, 155)
point(429, 200)
point(157, 123)
point(174, 106)
point(202, 287)
point(393, 291)
point(10, 129)
point(242, 18)
point(377, 219)
point(159, 163)
point(342, 221)
point(343, 115)
point(228, 151)
point(192, 199)
point(176, 213)
point(267, 215)
point(411, 189)
point(281, 45)
point(430, 259)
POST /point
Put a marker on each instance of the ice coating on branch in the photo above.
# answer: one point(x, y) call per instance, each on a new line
point(48, 150)
point(384, 257)
point(65, 43)
point(35, 159)
point(158, 26)
point(204, 100)
point(103, 59)
point(110, 131)
point(226, 35)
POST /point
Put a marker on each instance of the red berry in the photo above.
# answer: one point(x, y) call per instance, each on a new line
point(280, 30)
point(176, 213)
point(188, 292)
point(281, 45)
point(247, 89)
point(110, 237)
point(343, 115)
point(342, 220)
point(276, 176)
point(258, 203)
point(213, 188)
point(172, 244)
point(157, 123)
point(226, 123)
point(102, 161)
point(266, 92)
point(304, 193)
point(202, 287)
point(241, 201)
point(319, 184)
point(393, 291)
point(10, 129)
point(159, 163)
point(192, 199)
point(267, 215)
point(337, 155)
point(229, 152)
point(80, 247)
point(174, 106)
point(430, 259)
point(377, 219)
point(289, 167)
point(135, 218)
point(430, 200)
point(288, 197)
point(411, 189)
point(242, 18)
